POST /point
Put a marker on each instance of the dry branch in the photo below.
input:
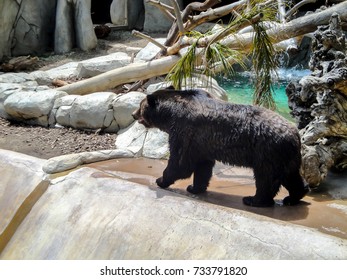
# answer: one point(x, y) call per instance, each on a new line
point(297, 6)
point(195, 6)
point(165, 9)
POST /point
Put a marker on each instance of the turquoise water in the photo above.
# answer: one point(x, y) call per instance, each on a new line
point(240, 88)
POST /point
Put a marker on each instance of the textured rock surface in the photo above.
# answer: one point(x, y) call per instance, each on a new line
point(26, 26)
point(93, 214)
point(35, 107)
point(67, 162)
point(20, 184)
point(8, 11)
point(124, 106)
point(319, 104)
point(95, 66)
point(74, 26)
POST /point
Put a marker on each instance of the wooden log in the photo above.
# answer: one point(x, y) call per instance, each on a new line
point(294, 28)
point(131, 73)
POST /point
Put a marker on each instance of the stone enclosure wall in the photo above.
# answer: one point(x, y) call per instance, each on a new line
point(33, 26)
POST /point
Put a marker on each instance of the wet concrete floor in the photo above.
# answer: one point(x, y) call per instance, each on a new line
point(324, 209)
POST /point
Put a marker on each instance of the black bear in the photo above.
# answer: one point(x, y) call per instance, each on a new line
point(203, 129)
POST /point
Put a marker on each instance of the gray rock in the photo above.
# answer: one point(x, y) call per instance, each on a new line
point(67, 162)
point(95, 66)
point(21, 176)
point(90, 111)
point(151, 143)
point(125, 105)
point(150, 51)
point(8, 13)
point(74, 22)
point(90, 213)
point(68, 70)
point(132, 138)
point(16, 78)
point(119, 12)
point(41, 77)
point(156, 144)
point(34, 27)
point(26, 26)
point(31, 106)
point(6, 89)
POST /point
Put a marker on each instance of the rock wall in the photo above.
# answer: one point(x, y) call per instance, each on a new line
point(319, 104)
point(26, 26)
point(34, 26)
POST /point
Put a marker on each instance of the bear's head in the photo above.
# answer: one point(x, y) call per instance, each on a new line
point(142, 114)
point(166, 108)
point(151, 112)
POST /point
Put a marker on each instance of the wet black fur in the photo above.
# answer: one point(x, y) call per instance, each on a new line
point(202, 130)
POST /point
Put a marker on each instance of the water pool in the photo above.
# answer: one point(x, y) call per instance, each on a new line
point(240, 88)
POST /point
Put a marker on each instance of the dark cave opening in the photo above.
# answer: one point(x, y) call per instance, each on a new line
point(100, 11)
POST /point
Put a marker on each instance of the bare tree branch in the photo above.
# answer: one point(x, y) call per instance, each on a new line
point(150, 39)
point(179, 20)
point(297, 6)
point(195, 6)
point(166, 9)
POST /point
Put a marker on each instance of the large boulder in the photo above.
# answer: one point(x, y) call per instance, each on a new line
point(124, 106)
point(34, 27)
point(92, 111)
point(74, 26)
point(33, 107)
point(8, 12)
point(6, 89)
point(95, 66)
point(151, 143)
point(26, 26)
point(104, 110)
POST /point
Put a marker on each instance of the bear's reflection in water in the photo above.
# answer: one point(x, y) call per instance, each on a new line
point(318, 209)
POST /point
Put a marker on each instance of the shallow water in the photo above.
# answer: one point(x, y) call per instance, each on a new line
point(240, 88)
point(324, 209)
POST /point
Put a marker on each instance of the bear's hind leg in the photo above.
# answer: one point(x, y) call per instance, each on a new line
point(202, 176)
point(296, 188)
point(267, 188)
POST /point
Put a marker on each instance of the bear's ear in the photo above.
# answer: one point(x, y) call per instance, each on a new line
point(151, 100)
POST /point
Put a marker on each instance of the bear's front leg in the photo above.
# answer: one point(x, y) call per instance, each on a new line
point(202, 176)
point(172, 173)
point(163, 183)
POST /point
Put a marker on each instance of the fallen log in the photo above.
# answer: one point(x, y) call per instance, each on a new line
point(131, 73)
point(161, 66)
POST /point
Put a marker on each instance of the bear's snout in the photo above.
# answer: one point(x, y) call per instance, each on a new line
point(136, 114)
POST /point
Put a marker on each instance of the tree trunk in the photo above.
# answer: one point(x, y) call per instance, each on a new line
point(130, 73)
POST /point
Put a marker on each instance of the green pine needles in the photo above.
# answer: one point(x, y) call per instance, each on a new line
point(213, 58)
point(265, 65)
